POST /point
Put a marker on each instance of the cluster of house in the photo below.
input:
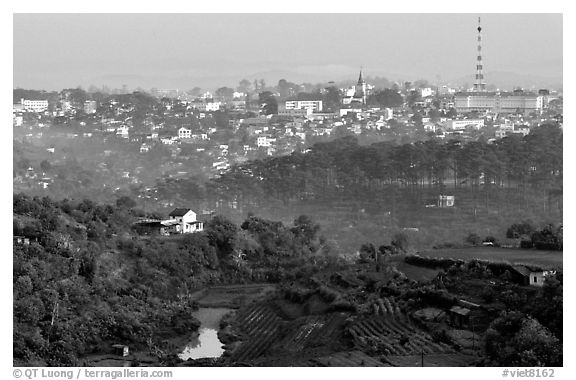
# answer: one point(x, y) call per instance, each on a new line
point(180, 221)
point(464, 314)
point(296, 123)
point(31, 176)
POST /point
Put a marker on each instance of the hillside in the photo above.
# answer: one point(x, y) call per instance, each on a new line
point(83, 280)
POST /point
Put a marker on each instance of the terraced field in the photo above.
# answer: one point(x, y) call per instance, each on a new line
point(385, 306)
point(336, 339)
point(260, 326)
point(313, 331)
point(434, 360)
point(394, 336)
point(348, 359)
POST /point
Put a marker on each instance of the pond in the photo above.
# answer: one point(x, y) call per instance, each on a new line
point(206, 344)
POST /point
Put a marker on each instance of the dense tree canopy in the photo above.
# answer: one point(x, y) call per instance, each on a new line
point(268, 103)
point(344, 166)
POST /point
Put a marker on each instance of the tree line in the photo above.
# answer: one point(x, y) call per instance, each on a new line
point(343, 166)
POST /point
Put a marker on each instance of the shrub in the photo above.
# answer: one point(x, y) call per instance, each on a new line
point(400, 242)
point(488, 294)
point(440, 336)
point(328, 294)
point(344, 306)
point(473, 239)
point(518, 230)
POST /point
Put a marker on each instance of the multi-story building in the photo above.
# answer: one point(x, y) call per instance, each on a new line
point(295, 112)
point(206, 106)
point(425, 92)
point(508, 129)
point(518, 101)
point(184, 133)
point(264, 140)
point(311, 105)
point(445, 90)
point(457, 125)
point(498, 102)
point(34, 105)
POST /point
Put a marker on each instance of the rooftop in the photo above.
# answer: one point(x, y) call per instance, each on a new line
point(179, 212)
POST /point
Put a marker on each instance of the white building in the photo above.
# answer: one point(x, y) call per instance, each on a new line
point(90, 107)
point(221, 165)
point(388, 113)
point(66, 106)
point(206, 106)
point(445, 201)
point(346, 111)
point(293, 112)
point(508, 129)
point(311, 105)
point(264, 141)
point(425, 92)
point(212, 106)
point(500, 102)
point(123, 131)
point(458, 125)
point(34, 105)
point(186, 221)
point(184, 133)
point(168, 140)
point(445, 90)
point(17, 120)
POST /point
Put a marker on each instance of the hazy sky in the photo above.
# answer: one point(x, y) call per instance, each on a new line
point(55, 51)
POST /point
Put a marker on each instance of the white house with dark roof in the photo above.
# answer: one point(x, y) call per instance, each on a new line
point(186, 218)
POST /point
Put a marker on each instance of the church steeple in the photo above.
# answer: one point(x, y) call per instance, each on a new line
point(361, 89)
point(360, 80)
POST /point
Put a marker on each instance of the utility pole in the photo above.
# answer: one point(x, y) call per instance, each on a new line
point(473, 340)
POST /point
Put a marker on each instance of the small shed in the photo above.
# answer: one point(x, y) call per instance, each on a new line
point(121, 350)
point(537, 278)
point(525, 276)
point(445, 201)
point(21, 240)
point(459, 316)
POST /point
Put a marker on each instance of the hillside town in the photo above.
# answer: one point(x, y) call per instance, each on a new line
point(212, 132)
point(356, 221)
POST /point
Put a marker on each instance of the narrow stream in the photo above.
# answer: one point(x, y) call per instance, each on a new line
point(206, 344)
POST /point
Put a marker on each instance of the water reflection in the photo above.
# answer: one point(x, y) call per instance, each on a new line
point(206, 344)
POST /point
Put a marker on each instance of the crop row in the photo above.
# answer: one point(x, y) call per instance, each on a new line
point(348, 359)
point(260, 325)
point(314, 331)
point(256, 318)
point(385, 306)
point(395, 337)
